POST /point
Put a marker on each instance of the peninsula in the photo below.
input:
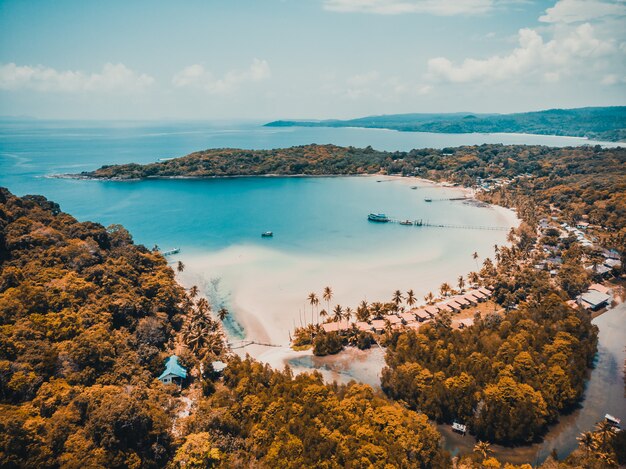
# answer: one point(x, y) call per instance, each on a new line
point(599, 123)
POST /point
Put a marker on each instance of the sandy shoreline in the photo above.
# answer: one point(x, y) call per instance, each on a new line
point(266, 288)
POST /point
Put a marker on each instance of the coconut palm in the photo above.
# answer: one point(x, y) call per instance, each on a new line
point(180, 267)
point(312, 301)
point(429, 298)
point(473, 277)
point(461, 283)
point(338, 313)
point(483, 448)
point(475, 257)
point(444, 289)
point(347, 313)
point(363, 311)
point(193, 291)
point(410, 298)
point(377, 309)
point(327, 295)
point(587, 441)
point(222, 313)
point(397, 298)
point(323, 313)
point(203, 306)
point(604, 431)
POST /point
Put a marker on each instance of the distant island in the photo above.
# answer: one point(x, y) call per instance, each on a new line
point(597, 123)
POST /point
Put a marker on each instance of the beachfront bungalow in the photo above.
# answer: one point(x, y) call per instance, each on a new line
point(393, 319)
point(457, 301)
point(600, 288)
point(467, 322)
point(448, 307)
point(336, 326)
point(478, 295)
point(471, 300)
point(364, 326)
point(485, 291)
point(408, 316)
point(432, 310)
point(174, 372)
point(422, 315)
point(594, 300)
point(378, 325)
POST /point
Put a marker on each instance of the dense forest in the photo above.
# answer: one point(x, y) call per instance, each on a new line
point(600, 123)
point(87, 319)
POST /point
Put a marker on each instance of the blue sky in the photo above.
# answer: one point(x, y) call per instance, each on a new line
point(268, 59)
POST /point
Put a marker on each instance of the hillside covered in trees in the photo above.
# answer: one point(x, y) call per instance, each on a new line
point(86, 320)
point(600, 123)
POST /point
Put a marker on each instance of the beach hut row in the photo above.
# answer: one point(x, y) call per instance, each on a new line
point(414, 318)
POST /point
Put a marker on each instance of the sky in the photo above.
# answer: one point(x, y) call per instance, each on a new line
point(307, 59)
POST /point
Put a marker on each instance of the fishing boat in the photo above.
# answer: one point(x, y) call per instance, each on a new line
point(378, 217)
point(413, 187)
point(267, 234)
point(171, 251)
point(612, 420)
point(406, 222)
point(428, 200)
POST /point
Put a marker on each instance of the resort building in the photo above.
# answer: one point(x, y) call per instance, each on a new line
point(594, 300)
point(174, 372)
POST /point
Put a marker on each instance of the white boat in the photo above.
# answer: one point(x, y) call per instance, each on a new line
point(171, 251)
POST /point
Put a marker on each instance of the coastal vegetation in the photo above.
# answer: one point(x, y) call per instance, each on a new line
point(602, 123)
point(87, 319)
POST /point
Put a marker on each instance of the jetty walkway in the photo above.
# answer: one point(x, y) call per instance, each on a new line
point(422, 223)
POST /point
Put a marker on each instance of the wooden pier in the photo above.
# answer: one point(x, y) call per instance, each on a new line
point(427, 199)
point(421, 223)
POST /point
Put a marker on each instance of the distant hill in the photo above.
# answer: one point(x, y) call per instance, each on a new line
point(599, 123)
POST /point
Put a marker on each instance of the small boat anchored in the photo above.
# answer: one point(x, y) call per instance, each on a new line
point(171, 251)
point(612, 420)
point(378, 217)
point(267, 234)
point(406, 222)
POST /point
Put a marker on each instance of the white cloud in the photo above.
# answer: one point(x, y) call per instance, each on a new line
point(114, 77)
point(196, 76)
point(573, 11)
point(395, 7)
point(569, 50)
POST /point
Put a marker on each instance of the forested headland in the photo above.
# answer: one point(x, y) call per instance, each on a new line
point(600, 123)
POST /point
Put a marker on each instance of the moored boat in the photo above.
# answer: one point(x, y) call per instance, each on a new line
point(267, 234)
point(171, 251)
point(378, 217)
point(406, 222)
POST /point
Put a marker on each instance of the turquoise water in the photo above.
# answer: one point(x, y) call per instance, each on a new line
point(319, 214)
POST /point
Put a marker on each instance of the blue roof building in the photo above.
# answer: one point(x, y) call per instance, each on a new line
point(173, 373)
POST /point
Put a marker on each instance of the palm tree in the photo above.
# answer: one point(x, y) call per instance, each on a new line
point(338, 313)
point(496, 248)
point(444, 289)
point(323, 313)
point(587, 441)
point(347, 313)
point(312, 301)
point(397, 298)
point(473, 277)
point(180, 267)
point(410, 298)
point(222, 313)
point(328, 295)
point(483, 448)
point(475, 257)
point(377, 309)
point(203, 306)
point(429, 298)
point(604, 432)
point(363, 311)
point(461, 283)
point(193, 291)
